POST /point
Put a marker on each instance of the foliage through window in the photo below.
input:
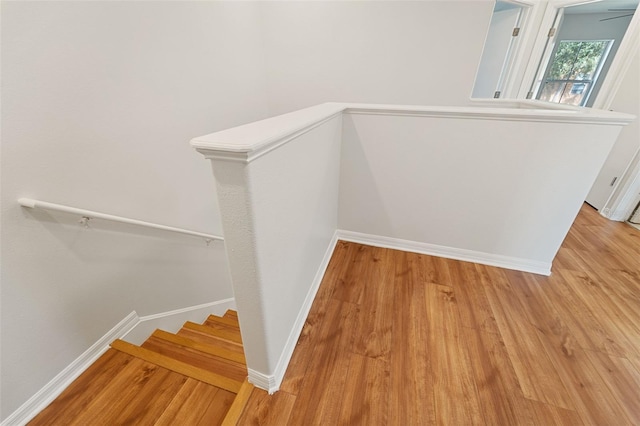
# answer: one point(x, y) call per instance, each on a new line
point(573, 71)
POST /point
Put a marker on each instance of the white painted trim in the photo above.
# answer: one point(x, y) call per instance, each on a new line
point(271, 383)
point(171, 321)
point(518, 264)
point(251, 141)
point(59, 383)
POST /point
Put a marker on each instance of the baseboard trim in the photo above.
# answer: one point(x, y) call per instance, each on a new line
point(59, 383)
point(518, 264)
point(171, 321)
point(271, 383)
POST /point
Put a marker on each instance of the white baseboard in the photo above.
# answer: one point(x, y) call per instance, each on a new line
point(51, 390)
point(271, 383)
point(519, 264)
point(172, 321)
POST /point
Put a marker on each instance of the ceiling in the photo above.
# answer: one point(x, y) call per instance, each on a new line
point(603, 7)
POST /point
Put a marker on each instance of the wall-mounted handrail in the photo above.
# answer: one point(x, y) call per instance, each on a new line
point(88, 214)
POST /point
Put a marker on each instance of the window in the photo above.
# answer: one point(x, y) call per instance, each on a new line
point(573, 71)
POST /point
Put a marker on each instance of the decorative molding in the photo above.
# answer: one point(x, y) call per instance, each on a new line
point(518, 264)
point(271, 383)
point(249, 155)
point(529, 111)
point(51, 390)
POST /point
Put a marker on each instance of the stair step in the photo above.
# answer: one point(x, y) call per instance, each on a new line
point(231, 314)
point(211, 363)
point(178, 366)
point(227, 321)
point(225, 334)
point(239, 403)
point(210, 349)
point(208, 339)
point(217, 325)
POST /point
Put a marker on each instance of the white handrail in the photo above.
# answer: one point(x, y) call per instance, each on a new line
point(88, 214)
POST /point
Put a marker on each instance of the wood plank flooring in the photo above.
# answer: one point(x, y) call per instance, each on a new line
point(396, 338)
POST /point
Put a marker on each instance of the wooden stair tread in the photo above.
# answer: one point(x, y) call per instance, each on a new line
point(225, 334)
point(212, 363)
point(208, 348)
point(227, 321)
point(208, 339)
point(239, 403)
point(178, 366)
point(231, 314)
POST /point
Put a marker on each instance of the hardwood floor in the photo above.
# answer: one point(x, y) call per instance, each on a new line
point(405, 339)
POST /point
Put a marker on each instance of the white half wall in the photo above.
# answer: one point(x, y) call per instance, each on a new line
point(98, 101)
point(279, 214)
point(499, 183)
point(503, 192)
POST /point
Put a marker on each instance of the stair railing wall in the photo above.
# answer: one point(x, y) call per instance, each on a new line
point(499, 183)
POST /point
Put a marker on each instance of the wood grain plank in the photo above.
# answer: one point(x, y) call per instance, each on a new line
point(121, 392)
point(195, 358)
point(268, 410)
point(455, 392)
point(208, 339)
point(622, 379)
point(593, 400)
point(499, 393)
point(238, 405)
point(205, 348)
point(328, 367)
point(471, 301)
point(372, 334)
point(224, 334)
point(411, 380)
point(188, 405)
point(77, 396)
point(536, 374)
point(177, 366)
point(366, 400)
point(228, 321)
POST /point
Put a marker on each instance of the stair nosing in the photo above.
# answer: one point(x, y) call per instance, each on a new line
point(201, 347)
point(180, 367)
point(239, 404)
point(212, 331)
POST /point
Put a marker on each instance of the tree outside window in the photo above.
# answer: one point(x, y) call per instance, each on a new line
point(573, 71)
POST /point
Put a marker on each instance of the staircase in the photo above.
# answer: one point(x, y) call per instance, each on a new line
point(196, 376)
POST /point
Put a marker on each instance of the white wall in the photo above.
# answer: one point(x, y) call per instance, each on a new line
point(502, 192)
point(99, 101)
point(396, 52)
point(627, 99)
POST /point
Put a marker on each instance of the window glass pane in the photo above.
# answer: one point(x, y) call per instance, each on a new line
point(577, 60)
